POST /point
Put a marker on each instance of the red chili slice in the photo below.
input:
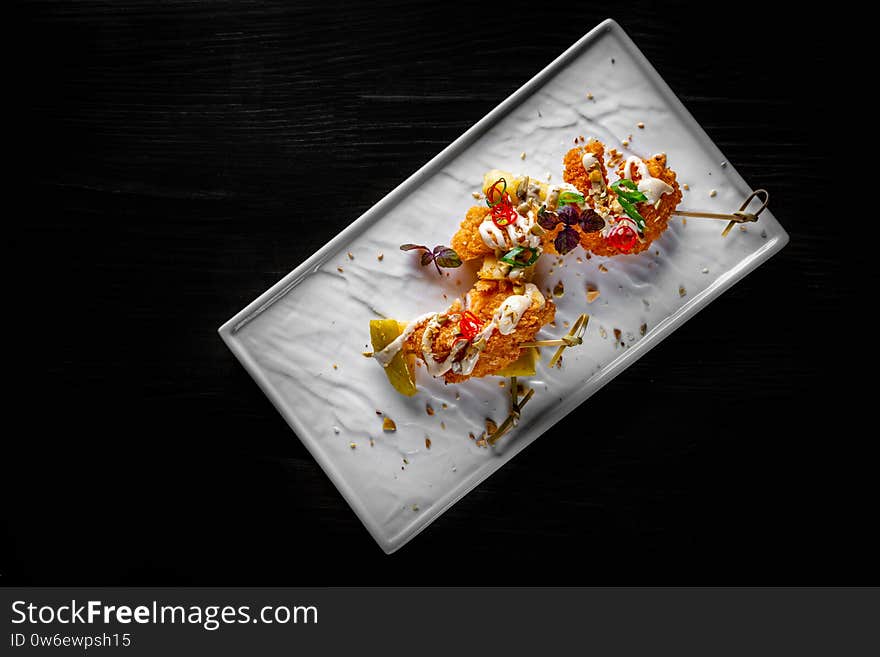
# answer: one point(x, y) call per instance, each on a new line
point(469, 325)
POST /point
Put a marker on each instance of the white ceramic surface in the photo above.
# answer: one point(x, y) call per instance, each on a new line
point(291, 337)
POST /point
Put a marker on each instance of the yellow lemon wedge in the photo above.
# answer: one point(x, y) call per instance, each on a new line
point(524, 365)
point(400, 371)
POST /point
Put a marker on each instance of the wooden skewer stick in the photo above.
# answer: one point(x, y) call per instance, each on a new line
point(738, 217)
point(575, 334)
point(514, 415)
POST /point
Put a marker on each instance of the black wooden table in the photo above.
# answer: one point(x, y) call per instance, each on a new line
point(164, 149)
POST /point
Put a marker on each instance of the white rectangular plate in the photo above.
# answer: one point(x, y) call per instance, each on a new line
point(302, 341)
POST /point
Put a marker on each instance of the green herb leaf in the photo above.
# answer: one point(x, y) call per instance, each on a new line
point(630, 209)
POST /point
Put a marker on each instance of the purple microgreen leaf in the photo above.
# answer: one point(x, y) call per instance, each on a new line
point(566, 240)
point(427, 257)
point(570, 215)
point(547, 220)
point(410, 247)
point(447, 257)
point(590, 221)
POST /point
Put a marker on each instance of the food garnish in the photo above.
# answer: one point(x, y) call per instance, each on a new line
point(441, 256)
point(469, 325)
point(521, 256)
point(497, 198)
point(399, 371)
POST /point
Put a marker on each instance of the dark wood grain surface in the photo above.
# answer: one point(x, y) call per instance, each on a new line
point(162, 157)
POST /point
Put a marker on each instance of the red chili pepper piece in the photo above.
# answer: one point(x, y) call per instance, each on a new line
point(623, 237)
point(469, 325)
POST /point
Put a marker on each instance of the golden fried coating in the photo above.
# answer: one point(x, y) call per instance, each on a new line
point(467, 242)
point(574, 172)
point(501, 350)
point(656, 218)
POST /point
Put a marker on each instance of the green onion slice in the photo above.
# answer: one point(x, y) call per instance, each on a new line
point(569, 198)
point(512, 259)
point(630, 209)
point(633, 195)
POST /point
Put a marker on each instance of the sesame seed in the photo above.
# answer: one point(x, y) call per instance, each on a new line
point(522, 155)
point(625, 143)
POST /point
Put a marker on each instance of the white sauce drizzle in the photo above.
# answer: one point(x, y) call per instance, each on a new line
point(651, 187)
point(505, 319)
point(518, 233)
point(390, 351)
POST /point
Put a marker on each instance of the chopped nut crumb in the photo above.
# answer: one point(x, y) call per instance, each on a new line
point(471, 435)
point(340, 269)
point(625, 143)
point(367, 354)
point(335, 366)
point(427, 443)
point(444, 405)
point(643, 329)
point(603, 268)
point(559, 289)
point(350, 255)
point(491, 427)
point(352, 445)
point(502, 384)
point(429, 409)
point(589, 96)
point(617, 334)
point(380, 256)
point(522, 155)
point(686, 187)
point(476, 195)
point(713, 193)
point(388, 425)
point(592, 294)
point(681, 291)
point(640, 125)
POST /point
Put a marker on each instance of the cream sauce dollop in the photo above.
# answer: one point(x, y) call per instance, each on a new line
point(651, 187)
